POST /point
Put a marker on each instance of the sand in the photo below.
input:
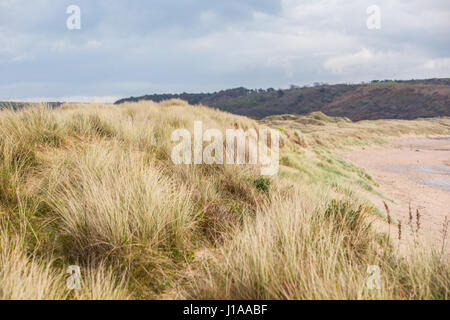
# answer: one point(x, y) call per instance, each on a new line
point(411, 171)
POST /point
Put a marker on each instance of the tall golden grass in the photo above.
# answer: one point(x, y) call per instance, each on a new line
point(93, 185)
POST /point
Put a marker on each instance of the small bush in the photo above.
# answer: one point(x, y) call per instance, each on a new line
point(342, 210)
point(262, 184)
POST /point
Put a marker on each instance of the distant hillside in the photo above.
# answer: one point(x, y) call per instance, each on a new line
point(376, 100)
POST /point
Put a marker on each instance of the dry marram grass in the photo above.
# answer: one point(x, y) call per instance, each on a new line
point(94, 185)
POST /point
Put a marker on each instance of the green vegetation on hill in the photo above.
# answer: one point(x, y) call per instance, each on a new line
point(377, 100)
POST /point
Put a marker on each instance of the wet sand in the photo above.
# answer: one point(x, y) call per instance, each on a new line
point(411, 171)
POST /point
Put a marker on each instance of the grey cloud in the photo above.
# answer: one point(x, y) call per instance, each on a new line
point(137, 47)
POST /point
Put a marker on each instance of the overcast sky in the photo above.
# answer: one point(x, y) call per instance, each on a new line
point(131, 48)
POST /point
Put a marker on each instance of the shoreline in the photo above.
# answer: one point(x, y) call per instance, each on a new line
point(414, 172)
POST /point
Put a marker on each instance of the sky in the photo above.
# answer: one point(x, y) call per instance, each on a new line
point(132, 48)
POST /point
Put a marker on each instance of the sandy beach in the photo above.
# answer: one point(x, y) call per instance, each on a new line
point(412, 172)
